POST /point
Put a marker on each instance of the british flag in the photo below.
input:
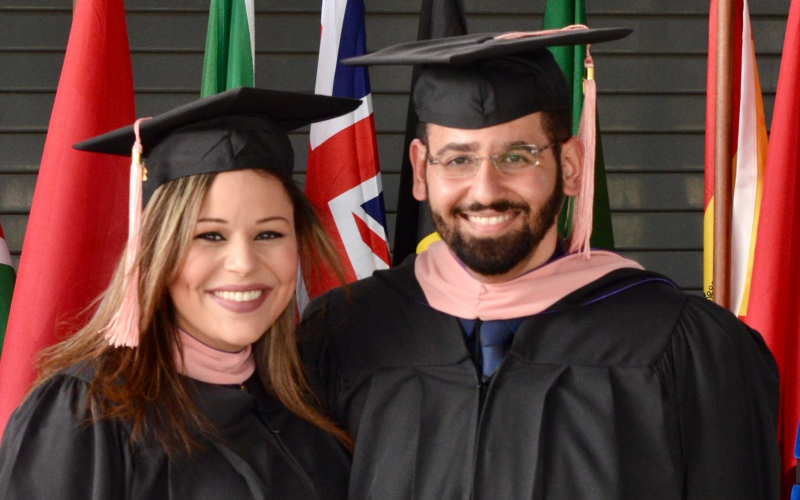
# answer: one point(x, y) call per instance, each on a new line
point(342, 174)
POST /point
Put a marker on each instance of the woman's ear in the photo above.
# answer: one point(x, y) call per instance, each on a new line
point(571, 163)
point(418, 154)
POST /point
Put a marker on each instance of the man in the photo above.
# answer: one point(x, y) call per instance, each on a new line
point(494, 365)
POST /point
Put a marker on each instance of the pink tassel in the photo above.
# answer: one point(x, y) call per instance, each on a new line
point(580, 238)
point(513, 35)
point(582, 216)
point(123, 330)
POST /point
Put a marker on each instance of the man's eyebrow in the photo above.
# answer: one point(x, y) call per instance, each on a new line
point(464, 147)
point(471, 147)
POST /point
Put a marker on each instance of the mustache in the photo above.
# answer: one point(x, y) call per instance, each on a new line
point(497, 206)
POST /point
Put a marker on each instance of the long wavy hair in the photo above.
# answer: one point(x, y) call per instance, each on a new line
point(141, 385)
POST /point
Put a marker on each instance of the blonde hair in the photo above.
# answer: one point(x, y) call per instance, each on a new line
point(128, 383)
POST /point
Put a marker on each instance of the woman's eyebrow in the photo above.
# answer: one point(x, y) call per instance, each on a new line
point(259, 221)
point(274, 217)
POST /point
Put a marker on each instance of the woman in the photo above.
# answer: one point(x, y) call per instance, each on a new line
point(210, 401)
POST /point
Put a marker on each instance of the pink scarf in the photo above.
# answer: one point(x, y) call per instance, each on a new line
point(450, 288)
point(206, 364)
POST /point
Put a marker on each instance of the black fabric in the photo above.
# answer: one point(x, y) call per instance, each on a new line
point(238, 129)
point(288, 110)
point(468, 49)
point(49, 451)
point(491, 92)
point(219, 145)
point(625, 389)
point(477, 81)
point(437, 19)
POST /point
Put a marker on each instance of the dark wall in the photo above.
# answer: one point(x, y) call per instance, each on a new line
point(652, 95)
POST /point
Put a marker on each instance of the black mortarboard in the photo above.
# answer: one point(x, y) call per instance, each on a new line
point(476, 81)
point(234, 130)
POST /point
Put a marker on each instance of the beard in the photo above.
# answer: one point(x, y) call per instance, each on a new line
point(497, 256)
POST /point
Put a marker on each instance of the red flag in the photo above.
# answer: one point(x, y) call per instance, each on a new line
point(77, 226)
point(775, 288)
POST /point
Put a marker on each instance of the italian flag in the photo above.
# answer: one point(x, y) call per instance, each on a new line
point(7, 278)
point(230, 46)
point(558, 14)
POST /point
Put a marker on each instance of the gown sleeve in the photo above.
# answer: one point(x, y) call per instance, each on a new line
point(320, 365)
point(51, 451)
point(727, 390)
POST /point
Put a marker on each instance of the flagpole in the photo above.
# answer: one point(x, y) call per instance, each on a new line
point(723, 177)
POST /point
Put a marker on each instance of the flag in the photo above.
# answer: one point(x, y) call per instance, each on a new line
point(774, 299)
point(230, 56)
point(342, 174)
point(78, 221)
point(558, 14)
point(437, 19)
point(795, 488)
point(7, 278)
point(749, 144)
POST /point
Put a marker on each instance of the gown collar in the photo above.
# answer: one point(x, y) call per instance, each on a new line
point(448, 287)
point(202, 362)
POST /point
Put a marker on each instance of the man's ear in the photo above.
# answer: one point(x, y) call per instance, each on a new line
point(418, 154)
point(571, 161)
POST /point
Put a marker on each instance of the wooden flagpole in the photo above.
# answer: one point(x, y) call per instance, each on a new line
point(723, 156)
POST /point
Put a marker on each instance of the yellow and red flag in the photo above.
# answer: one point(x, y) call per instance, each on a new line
point(749, 143)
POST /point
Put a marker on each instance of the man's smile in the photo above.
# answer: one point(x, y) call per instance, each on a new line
point(490, 220)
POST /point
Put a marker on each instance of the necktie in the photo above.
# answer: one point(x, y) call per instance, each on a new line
point(496, 337)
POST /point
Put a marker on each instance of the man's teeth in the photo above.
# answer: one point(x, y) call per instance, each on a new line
point(239, 296)
point(487, 221)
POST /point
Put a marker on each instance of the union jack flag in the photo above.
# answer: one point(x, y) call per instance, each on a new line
point(342, 174)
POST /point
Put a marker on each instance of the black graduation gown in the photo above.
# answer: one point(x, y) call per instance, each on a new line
point(50, 452)
point(625, 389)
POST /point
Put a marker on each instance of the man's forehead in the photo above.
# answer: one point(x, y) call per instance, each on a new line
point(524, 130)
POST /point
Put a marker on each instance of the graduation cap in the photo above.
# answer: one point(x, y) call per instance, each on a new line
point(234, 130)
point(480, 80)
point(238, 129)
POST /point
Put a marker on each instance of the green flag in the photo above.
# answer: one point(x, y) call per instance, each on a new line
point(230, 46)
point(557, 14)
point(7, 278)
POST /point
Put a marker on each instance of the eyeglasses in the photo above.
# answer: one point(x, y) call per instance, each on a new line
point(461, 165)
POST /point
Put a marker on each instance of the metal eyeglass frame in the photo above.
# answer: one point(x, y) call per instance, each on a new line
point(476, 160)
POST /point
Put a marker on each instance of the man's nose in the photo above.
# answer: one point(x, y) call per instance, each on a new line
point(487, 184)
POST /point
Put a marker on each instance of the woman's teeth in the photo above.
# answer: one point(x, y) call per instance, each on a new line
point(239, 296)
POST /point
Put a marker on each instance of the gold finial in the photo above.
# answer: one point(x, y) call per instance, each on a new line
point(589, 76)
point(136, 157)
